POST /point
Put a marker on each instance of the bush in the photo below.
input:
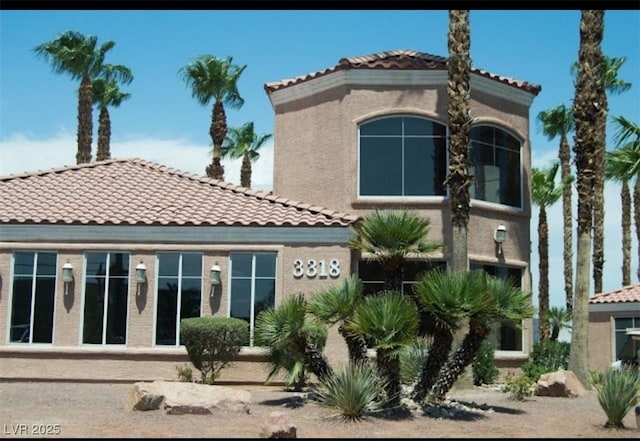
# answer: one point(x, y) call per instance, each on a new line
point(618, 391)
point(412, 357)
point(484, 367)
point(547, 356)
point(185, 374)
point(212, 342)
point(518, 387)
point(356, 391)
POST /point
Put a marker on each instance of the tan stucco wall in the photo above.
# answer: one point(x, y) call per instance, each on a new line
point(601, 328)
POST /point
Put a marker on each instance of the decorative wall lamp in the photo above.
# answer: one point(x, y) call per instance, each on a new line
point(141, 276)
point(67, 276)
point(215, 274)
point(499, 236)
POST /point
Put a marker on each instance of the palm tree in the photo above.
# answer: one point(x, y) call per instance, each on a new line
point(559, 122)
point(213, 79)
point(623, 165)
point(558, 319)
point(390, 321)
point(294, 342)
point(78, 55)
point(336, 305)
point(107, 93)
point(244, 143)
point(441, 295)
point(588, 114)
point(545, 193)
point(389, 236)
point(458, 90)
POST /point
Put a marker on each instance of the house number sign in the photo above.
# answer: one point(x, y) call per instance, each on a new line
point(312, 268)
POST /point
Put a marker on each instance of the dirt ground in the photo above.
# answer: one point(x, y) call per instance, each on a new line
point(89, 410)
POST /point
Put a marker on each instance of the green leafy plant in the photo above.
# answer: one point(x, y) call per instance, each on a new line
point(547, 356)
point(484, 367)
point(212, 343)
point(412, 357)
point(618, 391)
point(185, 374)
point(356, 390)
point(518, 387)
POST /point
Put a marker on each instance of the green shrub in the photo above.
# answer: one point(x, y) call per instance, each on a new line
point(185, 374)
point(412, 357)
point(547, 356)
point(356, 391)
point(212, 343)
point(484, 367)
point(618, 392)
point(518, 388)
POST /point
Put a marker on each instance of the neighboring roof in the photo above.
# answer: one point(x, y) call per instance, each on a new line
point(626, 294)
point(138, 192)
point(401, 60)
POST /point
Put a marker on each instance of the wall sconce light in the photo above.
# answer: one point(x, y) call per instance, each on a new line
point(141, 275)
point(215, 274)
point(499, 236)
point(67, 276)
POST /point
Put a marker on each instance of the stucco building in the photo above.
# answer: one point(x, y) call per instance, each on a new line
point(369, 133)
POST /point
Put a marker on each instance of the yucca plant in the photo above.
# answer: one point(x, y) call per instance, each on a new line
point(618, 391)
point(356, 390)
point(412, 357)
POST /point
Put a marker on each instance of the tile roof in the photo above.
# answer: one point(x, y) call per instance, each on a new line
point(398, 59)
point(626, 294)
point(134, 191)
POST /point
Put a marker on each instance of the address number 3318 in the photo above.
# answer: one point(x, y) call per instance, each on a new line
point(316, 268)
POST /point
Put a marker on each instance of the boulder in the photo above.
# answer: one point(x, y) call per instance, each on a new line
point(179, 398)
point(561, 383)
point(278, 426)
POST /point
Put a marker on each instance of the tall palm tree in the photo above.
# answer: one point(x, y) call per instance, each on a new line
point(244, 143)
point(214, 79)
point(442, 296)
point(106, 93)
point(390, 321)
point(623, 165)
point(336, 305)
point(558, 121)
point(80, 56)
point(545, 193)
point(458, 91)
point(612, 85)
point(588, 114)
point(389, 236)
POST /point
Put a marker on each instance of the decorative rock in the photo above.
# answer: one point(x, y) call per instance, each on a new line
point(179, 398)
point(278, 426)
point(561, 383)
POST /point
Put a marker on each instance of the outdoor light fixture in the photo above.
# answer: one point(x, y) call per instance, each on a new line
point(215, 274)
point(67, 276)
point(499, 236)
point(141, 275)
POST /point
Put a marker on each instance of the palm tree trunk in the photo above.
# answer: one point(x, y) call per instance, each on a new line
point(543, 269)
point(437, 357)
point(356, 345)
point(636, 218)
point(245, 172)
point(567, 219)
point(104, 135)
point(316, 362)
point(389, 368)
point(85, 121)
point(625, 198)
point(218, 132)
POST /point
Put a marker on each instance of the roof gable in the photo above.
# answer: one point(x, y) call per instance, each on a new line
point(138, 192)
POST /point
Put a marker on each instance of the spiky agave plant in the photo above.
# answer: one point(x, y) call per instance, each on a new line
point(617, 391)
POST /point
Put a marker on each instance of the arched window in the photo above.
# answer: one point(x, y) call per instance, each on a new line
point(402, 156)
point(496, 166)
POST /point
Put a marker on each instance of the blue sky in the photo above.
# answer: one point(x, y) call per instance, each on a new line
point(163, 123)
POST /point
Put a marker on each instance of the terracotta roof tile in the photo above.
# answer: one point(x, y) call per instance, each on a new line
point(397, 59)
point(139, 192)
point(626, 294)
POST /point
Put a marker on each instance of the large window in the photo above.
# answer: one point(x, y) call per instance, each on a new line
point(495, 165)
point(505, 336)
point(179, 294)
point(32, 305)
point(402, 156)
point(106, 294)
point(371, 273)
point(626, 347)
point(253, 286)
